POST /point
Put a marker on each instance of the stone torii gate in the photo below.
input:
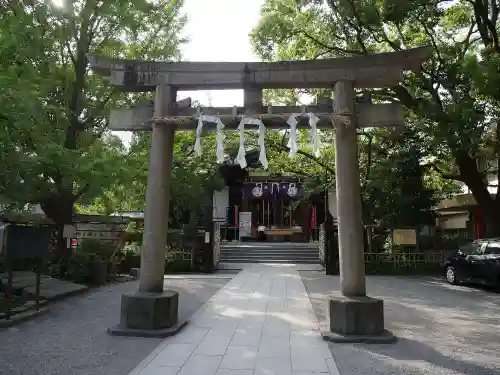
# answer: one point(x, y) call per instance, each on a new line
point(151, 311)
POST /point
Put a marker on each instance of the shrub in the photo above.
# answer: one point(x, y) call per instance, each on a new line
point(178, 266)
point(94, 249)
point(130, 260)
point(89, 250)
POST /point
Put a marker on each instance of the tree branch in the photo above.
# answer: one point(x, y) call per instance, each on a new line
point(369, 156)
point(80, 192)
point(326, 46)
point(99, 108)
point(445, 175)
point(433, 40)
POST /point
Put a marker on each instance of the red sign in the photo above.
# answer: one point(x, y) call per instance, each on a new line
point(313, 217)
point(479, 224)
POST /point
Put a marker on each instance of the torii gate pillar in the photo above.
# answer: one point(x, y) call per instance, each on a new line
point(153, 311)
point(351, 252)
point(354, 317)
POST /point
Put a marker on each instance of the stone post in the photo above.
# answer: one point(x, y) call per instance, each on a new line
point(354, 317)
point(351, 246)
point(151, 311)
point(158, 195)
point(252, 98)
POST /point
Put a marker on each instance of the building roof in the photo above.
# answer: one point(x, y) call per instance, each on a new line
point(134, 215)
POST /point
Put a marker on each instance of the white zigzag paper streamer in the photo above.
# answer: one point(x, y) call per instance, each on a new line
point(220, 137)
point(262, 134)
point(197, 143)
point(313, 122)
point(242, 161)
point(292, 140)
point(262, 144)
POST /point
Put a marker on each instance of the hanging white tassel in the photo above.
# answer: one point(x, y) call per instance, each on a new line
point(199, 128)
point(242, 161)
point(292, 140)
point(262, 145)
point(219, 137)
point(313, 122)
point(262, 134)
point(220, 141)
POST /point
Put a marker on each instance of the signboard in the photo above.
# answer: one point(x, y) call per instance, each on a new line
point(69, 231)
point(245, 224)
point(103, 232)
point(112, 227)
point(313, 217)
point(404, 237)
point(98, 235)
point(272, 190)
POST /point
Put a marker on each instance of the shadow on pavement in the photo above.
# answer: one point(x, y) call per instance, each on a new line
point(72, 338)
point(442, 329)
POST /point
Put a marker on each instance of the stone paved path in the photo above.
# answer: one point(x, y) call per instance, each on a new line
point(260, 323)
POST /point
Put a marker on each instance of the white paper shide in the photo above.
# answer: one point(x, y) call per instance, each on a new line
point(241, 157)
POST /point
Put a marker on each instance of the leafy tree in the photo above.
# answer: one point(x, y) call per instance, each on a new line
point(193, 180)
point(55, 147)
point(454, 95)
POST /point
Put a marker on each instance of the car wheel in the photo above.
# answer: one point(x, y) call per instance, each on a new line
point(451, 275)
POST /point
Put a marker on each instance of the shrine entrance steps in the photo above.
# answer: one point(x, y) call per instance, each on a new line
point(270, 252)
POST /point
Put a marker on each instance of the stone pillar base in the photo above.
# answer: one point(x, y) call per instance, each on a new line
point(357, 319)
point(149, 315)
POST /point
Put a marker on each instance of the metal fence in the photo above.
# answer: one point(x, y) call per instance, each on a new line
point(406, 260)
point(427, 262)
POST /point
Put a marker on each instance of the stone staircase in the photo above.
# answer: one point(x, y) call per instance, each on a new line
point(267, 252)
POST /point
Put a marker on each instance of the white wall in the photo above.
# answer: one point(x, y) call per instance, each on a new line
point(453, 222)
point(332, 202)
point(220, 204)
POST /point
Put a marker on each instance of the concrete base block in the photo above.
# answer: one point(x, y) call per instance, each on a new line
point(386, 337)
point(143, 314)
point(134, 272)
point(150, 333)
point(357, 319)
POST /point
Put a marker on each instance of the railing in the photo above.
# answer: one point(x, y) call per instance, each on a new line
point(405, 258)
point(428, 262)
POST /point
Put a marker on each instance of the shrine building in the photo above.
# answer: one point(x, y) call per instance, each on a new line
point(257, 206)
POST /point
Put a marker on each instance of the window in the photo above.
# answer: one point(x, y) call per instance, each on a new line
point(472, 248)
point(493, 248)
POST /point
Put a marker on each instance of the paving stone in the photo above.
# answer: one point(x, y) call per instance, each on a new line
point(250, 330)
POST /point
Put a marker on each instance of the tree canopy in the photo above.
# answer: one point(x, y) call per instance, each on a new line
point(55, 148)
point(454, 96)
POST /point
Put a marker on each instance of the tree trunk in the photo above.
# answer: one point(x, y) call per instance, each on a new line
point(331, 246)
point(488, 205)
point(59, 208)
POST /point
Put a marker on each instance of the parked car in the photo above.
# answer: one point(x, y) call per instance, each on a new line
point(478, 262)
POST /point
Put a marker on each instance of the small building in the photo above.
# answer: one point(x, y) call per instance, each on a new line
point(460, 214)
point(254, 201)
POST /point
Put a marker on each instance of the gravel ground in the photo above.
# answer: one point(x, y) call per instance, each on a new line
point(72, 338)
point(442, 329)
